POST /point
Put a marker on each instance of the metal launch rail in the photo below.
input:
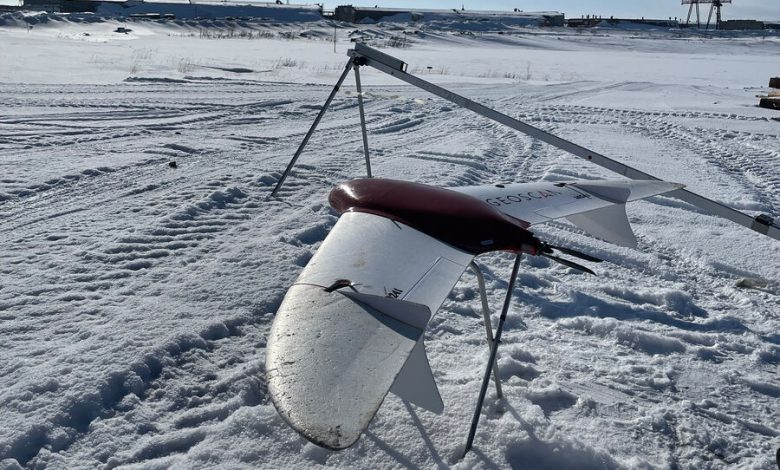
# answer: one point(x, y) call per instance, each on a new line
point(363, 55)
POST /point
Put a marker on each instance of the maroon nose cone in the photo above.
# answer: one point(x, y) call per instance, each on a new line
point(455, 218)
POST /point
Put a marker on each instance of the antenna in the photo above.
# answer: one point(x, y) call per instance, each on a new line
point(715, 5)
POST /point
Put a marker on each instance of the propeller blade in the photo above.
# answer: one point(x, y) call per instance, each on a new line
point(568, 263)
point(577, 254)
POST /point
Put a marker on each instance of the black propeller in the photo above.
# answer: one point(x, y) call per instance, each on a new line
point(574, 253)
point(547, 250)
point(568, 263)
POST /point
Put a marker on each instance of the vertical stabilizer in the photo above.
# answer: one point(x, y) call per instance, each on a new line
point(608, 223)
point(415, 382)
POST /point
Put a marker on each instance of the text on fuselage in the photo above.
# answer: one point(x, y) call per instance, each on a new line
point(521, 197)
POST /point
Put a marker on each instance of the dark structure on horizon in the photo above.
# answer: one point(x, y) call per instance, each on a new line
point(591, 21)
point(715, 5)
point(369, 15)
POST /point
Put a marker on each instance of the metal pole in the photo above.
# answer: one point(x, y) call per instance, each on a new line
point(493, 351)
point(362, 119)
point(347, 68)
point(698, 19)
point(488, 327)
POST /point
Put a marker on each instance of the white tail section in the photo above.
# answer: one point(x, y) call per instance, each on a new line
point(608, 223)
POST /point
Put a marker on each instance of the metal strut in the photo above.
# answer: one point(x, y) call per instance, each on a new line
point(488, 328)
point(493, 351)
point(362, 117)
point(347, 68)
point(354, 63)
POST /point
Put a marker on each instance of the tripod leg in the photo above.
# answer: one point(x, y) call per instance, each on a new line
point(698, 18)
point(488, 328)
point(493, 351)
point(362, 120)
point(313, 127)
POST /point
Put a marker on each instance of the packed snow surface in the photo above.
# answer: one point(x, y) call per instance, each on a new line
point(135, 298)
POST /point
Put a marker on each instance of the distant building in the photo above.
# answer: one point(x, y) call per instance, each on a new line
point(592, 21)
point(368, 15)
point(741, 24)
point(190, 10)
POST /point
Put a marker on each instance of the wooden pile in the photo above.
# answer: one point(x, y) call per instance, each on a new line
point(772, 100)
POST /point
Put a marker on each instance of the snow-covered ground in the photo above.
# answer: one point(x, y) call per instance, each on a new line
point(135, 298)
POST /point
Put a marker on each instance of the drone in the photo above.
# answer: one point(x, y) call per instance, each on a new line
point(350, 329)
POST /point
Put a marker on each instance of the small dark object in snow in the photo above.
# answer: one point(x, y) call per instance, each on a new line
point(177, 133)
point(752, 283)
point(232, 69)
point(122, 29)
point(769, 103)
point(172, 164)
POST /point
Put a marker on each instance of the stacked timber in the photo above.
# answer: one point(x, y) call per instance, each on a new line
point(771, 101)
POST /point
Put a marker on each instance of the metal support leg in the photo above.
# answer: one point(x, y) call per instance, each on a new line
point(348, 67)
point(362, 119)
point(493, 351)
point(488, 328)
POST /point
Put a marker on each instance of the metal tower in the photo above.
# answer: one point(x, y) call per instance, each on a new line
point(714, 5)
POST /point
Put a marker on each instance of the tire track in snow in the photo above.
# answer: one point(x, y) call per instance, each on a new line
point(163, 367)
point(736, 153)
point(197, 382)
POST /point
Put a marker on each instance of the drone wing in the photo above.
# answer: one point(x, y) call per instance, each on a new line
point(350, 329)
point(597, 207)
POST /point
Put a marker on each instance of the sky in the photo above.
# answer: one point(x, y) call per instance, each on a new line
point(740, 9)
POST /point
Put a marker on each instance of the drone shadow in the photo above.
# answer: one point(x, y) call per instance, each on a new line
point(535, 454)
point(441, 464)
point(588, 305)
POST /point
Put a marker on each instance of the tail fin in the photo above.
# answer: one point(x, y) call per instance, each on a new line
point(608, 223)
point(415, 382)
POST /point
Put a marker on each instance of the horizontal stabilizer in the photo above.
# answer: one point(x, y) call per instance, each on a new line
point(537, 203)
point(609, 223)
point(416, 384)
point(626, 191)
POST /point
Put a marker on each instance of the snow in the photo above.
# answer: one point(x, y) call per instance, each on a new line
point(135, 298)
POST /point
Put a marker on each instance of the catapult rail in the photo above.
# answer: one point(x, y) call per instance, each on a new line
point(364, 55)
